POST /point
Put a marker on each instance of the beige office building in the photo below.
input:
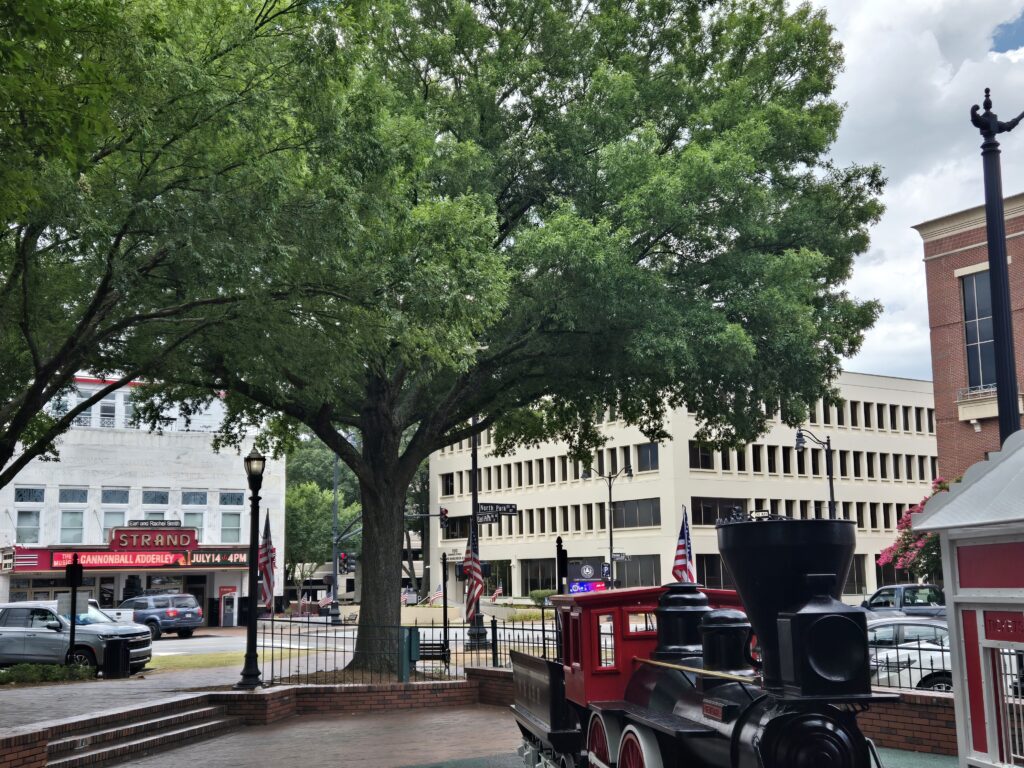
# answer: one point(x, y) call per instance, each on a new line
point(884, 449)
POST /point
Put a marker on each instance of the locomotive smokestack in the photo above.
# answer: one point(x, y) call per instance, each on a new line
point(770, 560)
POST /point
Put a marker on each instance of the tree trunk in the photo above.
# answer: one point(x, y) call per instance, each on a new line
point(380, 611)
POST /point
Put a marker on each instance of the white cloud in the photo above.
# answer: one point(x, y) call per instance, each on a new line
point(913, 70)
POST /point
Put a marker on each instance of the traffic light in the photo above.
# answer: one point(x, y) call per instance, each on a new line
point(343, 563)
point(444, 517)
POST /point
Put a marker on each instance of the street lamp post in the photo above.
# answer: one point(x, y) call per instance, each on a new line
point(999, 277)
point(801, 437)
point(255, 463)
point(610, 478)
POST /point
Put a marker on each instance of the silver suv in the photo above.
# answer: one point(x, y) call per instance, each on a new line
point(33, 633)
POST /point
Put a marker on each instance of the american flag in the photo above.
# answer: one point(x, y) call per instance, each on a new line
point(267, 559)
point(474, 576)
point(682, 568)
point(499, 592)
point(326, 600)
point(438, 595)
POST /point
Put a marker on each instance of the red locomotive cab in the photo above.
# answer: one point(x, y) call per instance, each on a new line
point(602, 632)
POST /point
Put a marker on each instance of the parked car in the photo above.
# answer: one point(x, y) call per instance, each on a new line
point(908, 599)
point(166, 613)
point(34, 632)
point(910, 652)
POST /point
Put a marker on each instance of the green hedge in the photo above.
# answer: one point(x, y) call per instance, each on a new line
point(27, 674)
point(540, 595)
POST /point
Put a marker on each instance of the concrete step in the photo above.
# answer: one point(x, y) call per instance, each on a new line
point(95, 721)
point(130, 729)
point(122, 751)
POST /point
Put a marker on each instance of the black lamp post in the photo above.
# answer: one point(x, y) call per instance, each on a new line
point(999, 279)
point(610, 480)
point(801, 440)
point(255, 463)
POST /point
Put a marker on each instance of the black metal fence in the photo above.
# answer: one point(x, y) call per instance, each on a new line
point(312, 651)
point(919, 665)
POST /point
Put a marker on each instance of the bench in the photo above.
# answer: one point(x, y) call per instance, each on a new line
point(434, 651)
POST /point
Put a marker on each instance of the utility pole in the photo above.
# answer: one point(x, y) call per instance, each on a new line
point(335, 612)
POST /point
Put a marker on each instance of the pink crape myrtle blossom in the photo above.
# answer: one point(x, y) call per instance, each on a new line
point(915, 552)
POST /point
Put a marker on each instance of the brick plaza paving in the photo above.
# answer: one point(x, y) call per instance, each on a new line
point(467, 737)
point(473, 737)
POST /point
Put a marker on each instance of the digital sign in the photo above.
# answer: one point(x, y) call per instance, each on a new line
point(579, 587)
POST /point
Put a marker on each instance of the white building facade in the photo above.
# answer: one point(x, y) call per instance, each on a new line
point(884, 450)
point(112, 476)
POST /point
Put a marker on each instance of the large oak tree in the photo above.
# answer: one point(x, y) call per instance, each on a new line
point(556, 207)
point(152, 184)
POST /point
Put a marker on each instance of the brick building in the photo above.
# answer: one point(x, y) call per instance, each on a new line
point(960, 319)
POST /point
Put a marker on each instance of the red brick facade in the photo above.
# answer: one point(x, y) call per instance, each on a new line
point(952, 243)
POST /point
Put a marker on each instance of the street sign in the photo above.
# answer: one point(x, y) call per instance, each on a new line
point(606, 571)
point(497, 509)
point(620, 556)
point(487, 517)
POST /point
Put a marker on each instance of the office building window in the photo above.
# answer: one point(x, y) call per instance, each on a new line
point(741, 459)
point(712, 573)
point(855, 583)
point(647, 457)
point(639, 571)
point(705, 510)
point(637, 513)
point(448, 484)
point(537, 574)
point(700, 456)
point(981, 356)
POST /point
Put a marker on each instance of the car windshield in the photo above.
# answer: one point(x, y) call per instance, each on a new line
point(92, 616)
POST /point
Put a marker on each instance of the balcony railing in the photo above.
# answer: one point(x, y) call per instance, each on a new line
point(979, 392)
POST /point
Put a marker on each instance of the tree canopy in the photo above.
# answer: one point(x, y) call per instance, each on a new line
point(545, 209)
point(153, 183)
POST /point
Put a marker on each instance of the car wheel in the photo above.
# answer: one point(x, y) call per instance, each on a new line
point(940, 681)
point(185, 633)
point(154, 630)
point(83, 657)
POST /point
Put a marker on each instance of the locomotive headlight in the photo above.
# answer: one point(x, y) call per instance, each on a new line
point(836, 648)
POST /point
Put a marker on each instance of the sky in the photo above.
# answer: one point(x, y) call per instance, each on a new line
point(913, 70)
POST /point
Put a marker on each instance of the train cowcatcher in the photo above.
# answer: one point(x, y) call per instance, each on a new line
point(771, 675)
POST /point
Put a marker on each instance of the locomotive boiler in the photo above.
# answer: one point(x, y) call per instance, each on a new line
point(678, 676)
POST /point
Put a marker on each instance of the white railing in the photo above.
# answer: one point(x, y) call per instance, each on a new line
point(975, 393)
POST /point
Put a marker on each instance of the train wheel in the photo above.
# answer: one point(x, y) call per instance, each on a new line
point(602, 741)
point(639, 749)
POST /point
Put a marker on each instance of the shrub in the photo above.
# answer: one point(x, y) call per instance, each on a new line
point(540, 596)
point(32, 674)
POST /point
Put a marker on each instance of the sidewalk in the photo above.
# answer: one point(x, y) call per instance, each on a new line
point(24, 706)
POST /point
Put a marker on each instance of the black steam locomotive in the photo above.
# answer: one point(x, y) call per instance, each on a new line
point(676, 676)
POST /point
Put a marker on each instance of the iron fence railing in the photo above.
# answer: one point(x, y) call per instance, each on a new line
point(310, 650)
point(916, 664)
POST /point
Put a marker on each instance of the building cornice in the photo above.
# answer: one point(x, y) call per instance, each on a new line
point(966, 220)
